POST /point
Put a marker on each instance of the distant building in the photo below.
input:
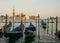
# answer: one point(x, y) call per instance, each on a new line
point(22, 16)
point(18, 16)
point(14, 14)
point(33, 17)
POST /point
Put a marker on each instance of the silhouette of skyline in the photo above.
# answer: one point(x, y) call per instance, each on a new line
point(45, 8)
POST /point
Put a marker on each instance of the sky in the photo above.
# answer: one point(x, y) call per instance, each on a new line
point(45, 8)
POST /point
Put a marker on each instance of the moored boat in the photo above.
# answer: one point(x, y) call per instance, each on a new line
point(15, 32)
point(58, 34)
point(29, 33)
point(43, 23)
point(3, 29)
point(30, 30)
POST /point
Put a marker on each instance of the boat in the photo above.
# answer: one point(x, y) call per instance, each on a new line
point(29, 33)
point(5, 28)
point(57, 34)
point(30, 30)
point(17, 32)
point(1, 33)
point(43, 23)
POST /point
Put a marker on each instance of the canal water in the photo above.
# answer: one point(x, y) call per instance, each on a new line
point(44, 37)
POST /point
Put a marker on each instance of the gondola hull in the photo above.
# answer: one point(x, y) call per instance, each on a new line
point(58, 34)
point(17, 32)
point(1, 34)
point(13, 34)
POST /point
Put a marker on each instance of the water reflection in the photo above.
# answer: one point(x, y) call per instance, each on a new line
point(14, 39)
point(1, 34)
point(29, 39)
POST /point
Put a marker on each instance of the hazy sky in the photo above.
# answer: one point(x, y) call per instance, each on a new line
point(45, 8)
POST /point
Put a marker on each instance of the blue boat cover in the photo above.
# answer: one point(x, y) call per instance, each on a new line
point(20, 27)
point(31, 27)
point(10, 24)
point(13, 31)
point(43, 22)
point(30, 31)
point(16, 30)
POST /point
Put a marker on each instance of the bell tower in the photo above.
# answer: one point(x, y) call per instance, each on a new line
point(14, 14)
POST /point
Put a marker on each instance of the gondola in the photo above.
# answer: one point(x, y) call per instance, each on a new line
point(4, 28)
point(30, 30)
point(29, 33)
point(43, 23)
point(17, 32)
point(58, 34)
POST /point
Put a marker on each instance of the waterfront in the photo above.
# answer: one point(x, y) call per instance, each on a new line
point(44, 37)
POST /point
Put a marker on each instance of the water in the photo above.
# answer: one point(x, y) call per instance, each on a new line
point(44, 37)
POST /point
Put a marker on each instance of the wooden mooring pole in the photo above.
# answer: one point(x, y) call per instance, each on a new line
point(56, 24)
point(6, 20)
point(51, 25)
point(36, 29)
point(47, 25)
point(56, 31)
point(38, 26)
point(5, 26)
point(13, 17)
point(25, 25)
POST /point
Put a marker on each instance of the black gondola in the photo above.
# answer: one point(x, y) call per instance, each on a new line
point(29, 33)
point(4, 28)
point(58, 34)
point(43, 23)
point(30, 29)
point(15, 32)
